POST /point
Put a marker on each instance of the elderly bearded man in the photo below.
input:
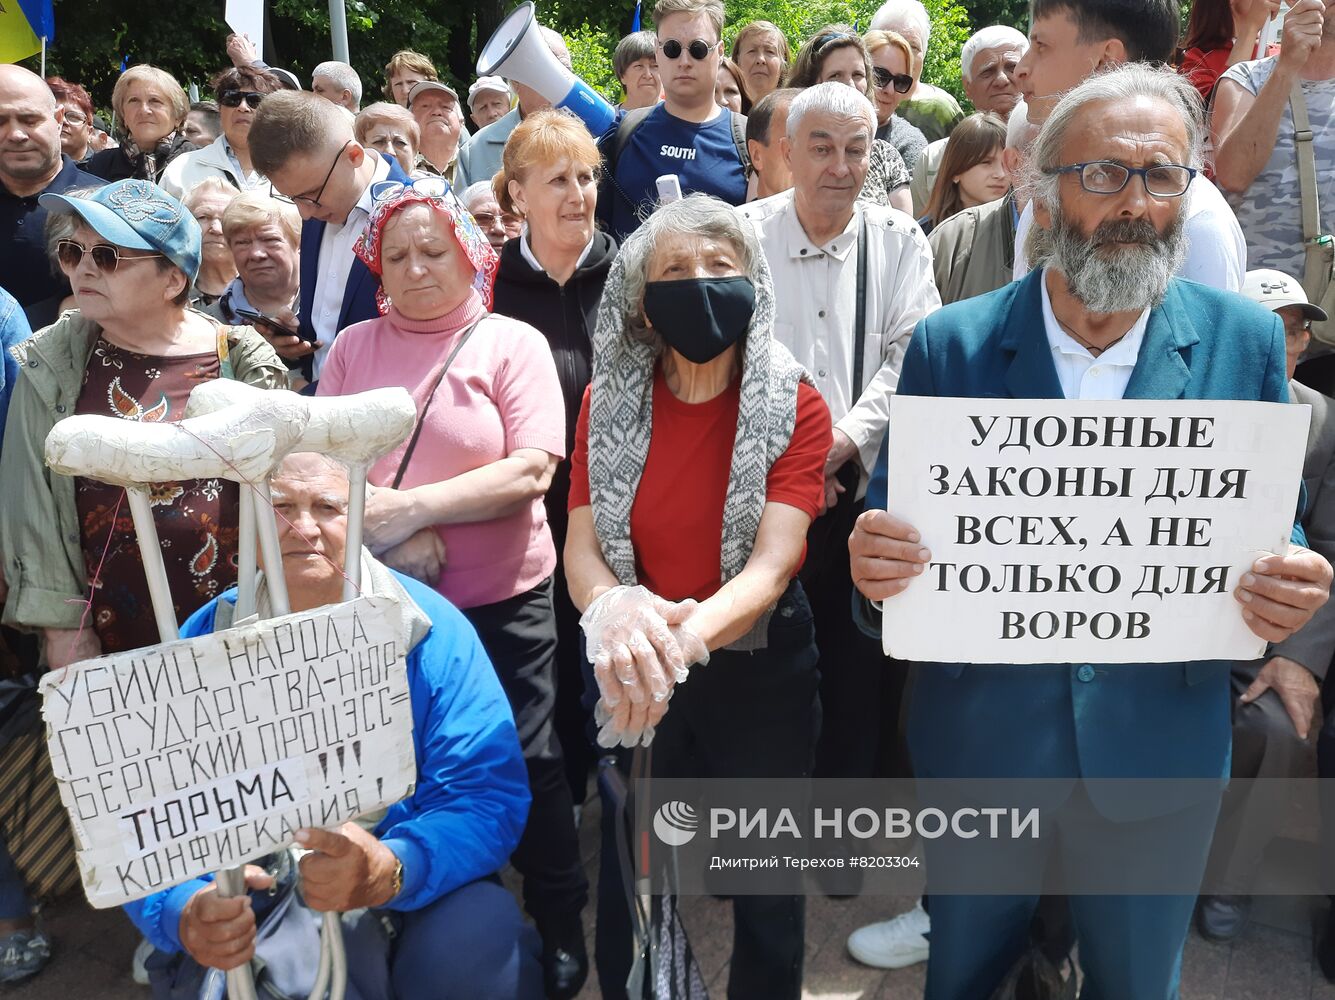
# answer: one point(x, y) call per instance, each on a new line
point(422, 877)
point(1103, 318)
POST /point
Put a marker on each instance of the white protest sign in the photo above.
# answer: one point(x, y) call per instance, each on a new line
point(246, 17)
point(193, 756)
point(1080, 531)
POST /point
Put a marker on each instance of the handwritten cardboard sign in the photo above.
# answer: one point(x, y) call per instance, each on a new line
point(1090, 532)
point(191, 756)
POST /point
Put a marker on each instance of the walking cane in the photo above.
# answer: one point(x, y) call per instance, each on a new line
point(135, 455)
point(355, 429)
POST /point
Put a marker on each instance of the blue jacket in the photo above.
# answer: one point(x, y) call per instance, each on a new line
point(14, 330)
point(471, 801)
point(1083, 720)
point(358, 294)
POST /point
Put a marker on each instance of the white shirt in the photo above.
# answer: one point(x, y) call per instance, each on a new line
point(1083, 375)
point(815, 290)
point(331, 275)
point(1216, 250)
point(526, 252)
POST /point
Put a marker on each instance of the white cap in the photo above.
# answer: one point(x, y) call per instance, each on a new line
point(487, 83)
point(426, 85)
point(1275, 290)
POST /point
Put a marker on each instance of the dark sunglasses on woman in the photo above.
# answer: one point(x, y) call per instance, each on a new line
point(883, 78)
point(233, 99)
point(105, 256)
point(699, 49)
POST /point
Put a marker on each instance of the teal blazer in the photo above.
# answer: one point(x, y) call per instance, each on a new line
point(1082, 720)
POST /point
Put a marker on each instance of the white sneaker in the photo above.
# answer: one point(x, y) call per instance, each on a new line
point(137, 969)
point(893, 944)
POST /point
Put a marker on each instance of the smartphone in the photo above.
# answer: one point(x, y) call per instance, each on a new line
point(271, 327)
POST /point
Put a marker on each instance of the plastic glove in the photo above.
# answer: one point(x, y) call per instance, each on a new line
point(638, 647)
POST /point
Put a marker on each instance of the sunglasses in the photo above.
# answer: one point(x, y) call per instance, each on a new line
point(105, 257)
point(699, 49)
point(883, 78)
point(233, 99)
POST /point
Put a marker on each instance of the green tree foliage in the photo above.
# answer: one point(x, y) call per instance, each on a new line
point(187, 38)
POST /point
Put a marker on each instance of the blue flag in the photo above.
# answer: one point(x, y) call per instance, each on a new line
point(635, 24)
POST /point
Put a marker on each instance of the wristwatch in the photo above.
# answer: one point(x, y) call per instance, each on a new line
point(397, 885)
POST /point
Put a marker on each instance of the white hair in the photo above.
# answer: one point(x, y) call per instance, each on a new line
point(1125, 83)
point(1020, 133)
point(830, 98)
point(992, 37)
point(476, 190)
point(894, 14)
point(344, 77)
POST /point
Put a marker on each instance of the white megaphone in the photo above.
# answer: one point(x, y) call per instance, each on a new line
point(516, 51)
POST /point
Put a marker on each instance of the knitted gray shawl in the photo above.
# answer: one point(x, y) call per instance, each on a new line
point(621, 422)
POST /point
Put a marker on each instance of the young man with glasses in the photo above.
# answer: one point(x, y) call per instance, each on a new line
point(304, 145)
point(1072, 39)
point(238, 92)
point(687, 135)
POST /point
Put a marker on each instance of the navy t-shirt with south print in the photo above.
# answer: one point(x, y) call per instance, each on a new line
point(703, 156)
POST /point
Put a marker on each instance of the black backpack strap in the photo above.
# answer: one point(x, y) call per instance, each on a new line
point(860, 309)
point(739, 140)
point(611, 150)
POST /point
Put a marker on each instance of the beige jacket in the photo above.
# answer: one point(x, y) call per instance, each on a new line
point(40, 541)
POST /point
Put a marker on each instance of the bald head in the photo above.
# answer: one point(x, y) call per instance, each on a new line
point(29, 132)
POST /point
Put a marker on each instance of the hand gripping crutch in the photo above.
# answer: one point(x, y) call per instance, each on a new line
point(355, 429)
point(134, 455)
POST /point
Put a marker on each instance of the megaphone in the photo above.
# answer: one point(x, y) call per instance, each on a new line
point(517, 52)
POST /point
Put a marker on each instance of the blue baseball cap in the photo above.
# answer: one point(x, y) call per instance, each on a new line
point(137, 215)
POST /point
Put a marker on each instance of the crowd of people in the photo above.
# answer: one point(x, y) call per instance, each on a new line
point(646, 496)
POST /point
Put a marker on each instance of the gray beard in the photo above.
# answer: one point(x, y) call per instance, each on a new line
point(1116, 279)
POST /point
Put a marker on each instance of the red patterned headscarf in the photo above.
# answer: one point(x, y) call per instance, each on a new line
point(391, 196)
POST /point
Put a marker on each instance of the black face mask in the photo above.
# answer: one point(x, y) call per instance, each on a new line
point(700, 318)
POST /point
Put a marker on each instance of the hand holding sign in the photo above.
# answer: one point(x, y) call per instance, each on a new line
point(1281, 593)
point(347, 869)
point(885, 553)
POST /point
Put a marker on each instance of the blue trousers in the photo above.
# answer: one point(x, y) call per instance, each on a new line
point(469, 944)
point(14, 904)
point(1130, 946)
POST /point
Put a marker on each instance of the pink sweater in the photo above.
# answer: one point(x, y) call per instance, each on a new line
point(500, 394)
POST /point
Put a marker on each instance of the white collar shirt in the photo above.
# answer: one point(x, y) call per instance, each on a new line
point(1084, 375)
point(815, 291)
point(526, 252)
point(331, 275)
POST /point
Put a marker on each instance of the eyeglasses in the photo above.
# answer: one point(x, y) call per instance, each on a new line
point(233, 98)
point(699, 49)
point(1163, 180)
point(315, 202)
point(106, 258)
point(883, 78)
point(75, 117)
point(486, 220)
point(432, 186)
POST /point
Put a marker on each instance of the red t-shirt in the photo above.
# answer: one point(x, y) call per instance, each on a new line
point(676, 522)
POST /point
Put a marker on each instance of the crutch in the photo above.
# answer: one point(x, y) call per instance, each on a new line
point(135, 455)
point(355, 429)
